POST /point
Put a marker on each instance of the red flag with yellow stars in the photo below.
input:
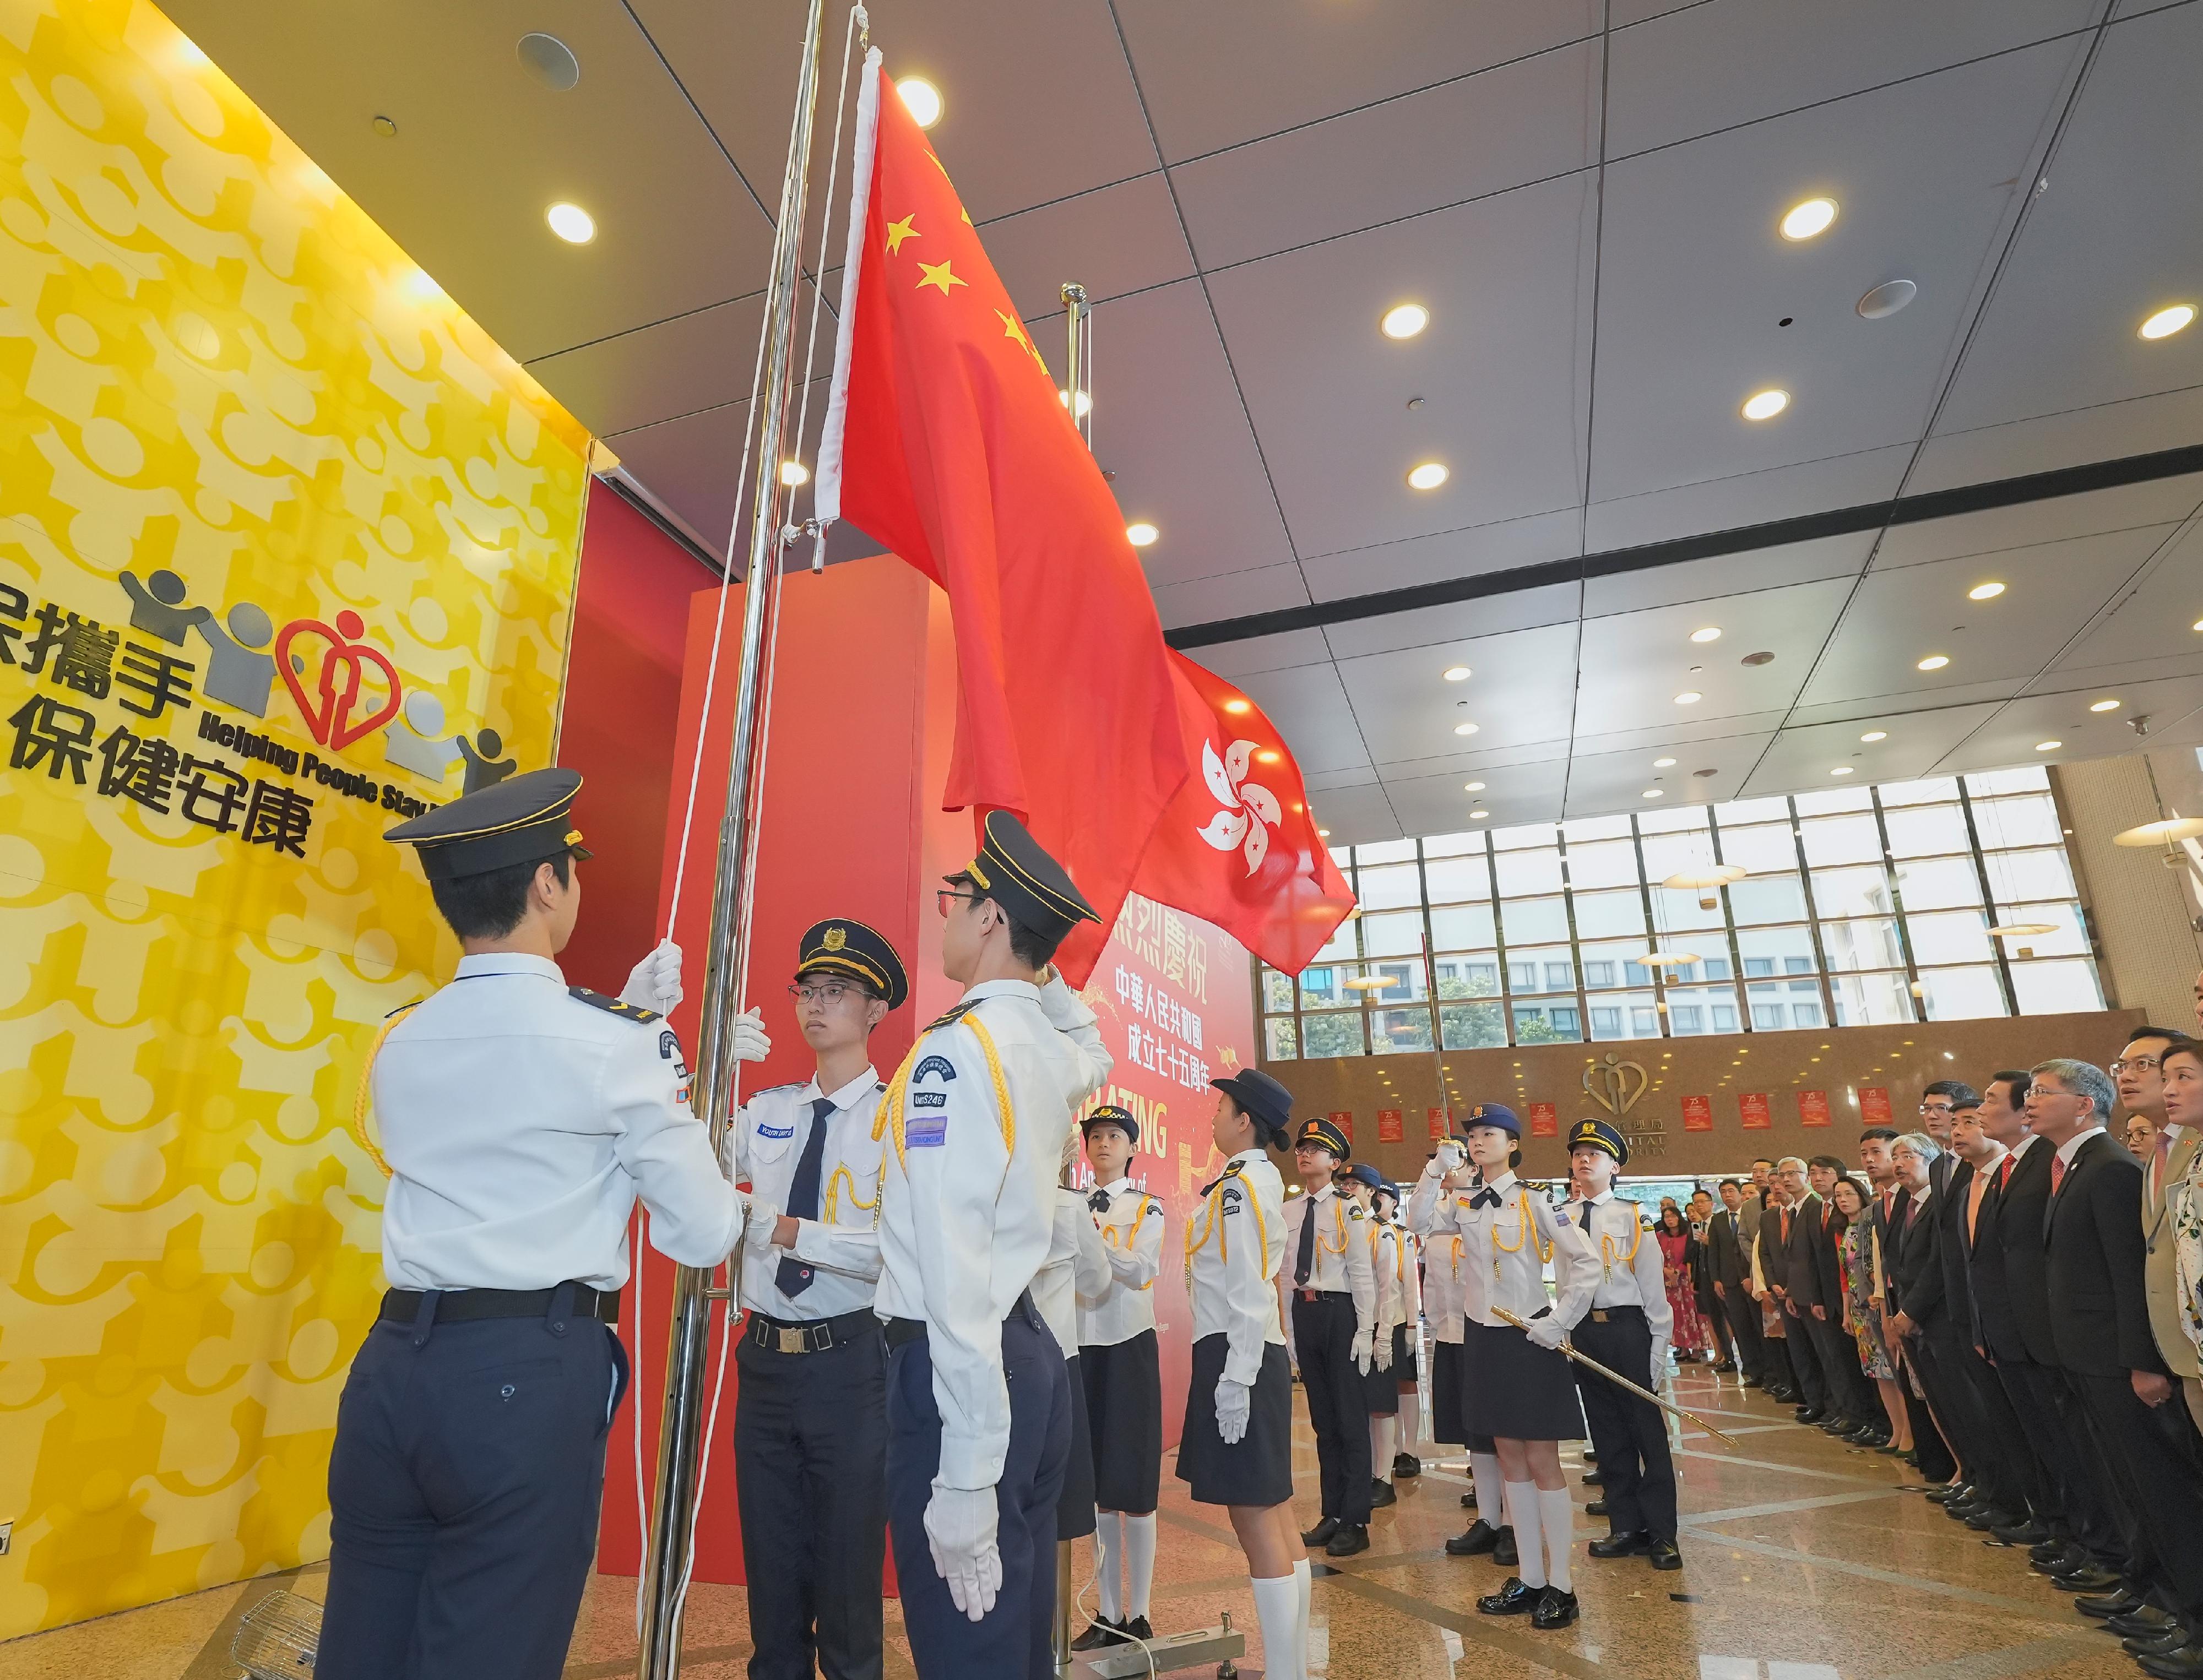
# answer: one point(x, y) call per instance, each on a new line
point(947, 443)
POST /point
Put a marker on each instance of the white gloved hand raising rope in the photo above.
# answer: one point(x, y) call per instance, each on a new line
point(654, 983)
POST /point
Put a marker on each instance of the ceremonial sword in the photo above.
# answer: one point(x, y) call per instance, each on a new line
point(1590, 1364)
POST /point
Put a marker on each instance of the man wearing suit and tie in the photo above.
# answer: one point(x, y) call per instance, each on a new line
point(1826, 1395)
point(1772, 1249)
point(2140, 1075)
point(1729, 1259)
point(2095, 1261)
point(1917, 1303)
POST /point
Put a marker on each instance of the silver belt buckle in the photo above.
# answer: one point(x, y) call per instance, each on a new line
point(791, 1341)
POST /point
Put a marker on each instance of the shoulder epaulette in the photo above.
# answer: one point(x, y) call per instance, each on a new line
point(403, 1011)
point(635, 1012)
point(774, 1090)
point(954, 1015)
point(1353, 1210)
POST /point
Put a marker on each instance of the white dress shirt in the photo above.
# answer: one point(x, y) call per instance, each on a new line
point(1341, 1262)
point(841, 1246)
point(1235, 1248)
point(2071, 1147)
point(1411, 1277)
point(520, 1123)
point(967, 1193)
point(1442, 1285)
point(1076, 1264)
point(1122, 1305)
point(1385, 1275)
point(1505, 1248)
point(1621, 1263)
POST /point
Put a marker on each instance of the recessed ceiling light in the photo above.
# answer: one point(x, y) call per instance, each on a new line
point(1841, 769)
point(1464, 729)
point(2048, 746)
point(1085, 401)
point(1323, 834)
point(571, 223)
point(1458, 674)
point(1476, 815)
point(1765, 404)
point(2104, 705)
point(1985, 592)
point(1875, 735)
point(1237, 706)
point(1404, 321)
point(1662, 763)
point(1689, 697)
point(1472, 787)
point(922, 99)
point(1267, 757)
point(1140, 534)
point(1803, 222)
point(1654, 793)
point(1428, 476)
point(793, 473)
point(2167, 321)
point(1934, 662)
point(1710, 634)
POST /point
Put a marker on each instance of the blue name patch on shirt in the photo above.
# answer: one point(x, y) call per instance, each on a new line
point(929, 1099)
point(775, 1131)
point(928, 1133)
point(939, 1064)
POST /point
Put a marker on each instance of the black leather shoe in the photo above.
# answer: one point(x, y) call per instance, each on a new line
point(1590, 1455)
point(1988, 1519)
point(1406, 1467)
point(1664, 1554)
point(1752, 1382)
point(1468, 1500)
point(2063, 1561)
point(1596, 1508)
point(2026, 1532)
point(1593, 1479)
point(1321, 1532)
point(2092, 1583)
point(1504, 1553)
point(1137, 1628)
point(1942, 1493)
point(2147, 1622)
point(1512, 1600)
point(1351, 1537)
point(2184, 1664)
point(1632, 1543)
point(1723, 1369)
point(1808, 1414)
point(2049, 1551)
point(1479, 1537)
point(1381, 1494)
point(2159, 1645)
point(2104, 1606)
point(1555, 1609)
point(1103, 1632)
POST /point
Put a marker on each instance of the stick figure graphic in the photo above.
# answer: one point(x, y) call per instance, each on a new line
point(237, 673)
point(156, 606)
point(484, 768)
point(416, 742)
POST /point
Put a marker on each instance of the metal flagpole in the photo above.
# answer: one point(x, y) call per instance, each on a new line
point(670, 1556)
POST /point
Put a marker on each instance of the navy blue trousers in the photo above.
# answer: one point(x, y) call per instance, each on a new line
point(1636, 1471)
point(1014, 1641)
point(463, 1492)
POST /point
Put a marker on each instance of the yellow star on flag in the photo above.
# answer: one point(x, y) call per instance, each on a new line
point(936, 274)
point(900, 231)
point(1015, 329)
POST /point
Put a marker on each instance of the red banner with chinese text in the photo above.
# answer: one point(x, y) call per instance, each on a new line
point(1812, 1108)
point(1698, 1114)
point(1754, 1111)
point(1873, 1105)
point(1545, 1120)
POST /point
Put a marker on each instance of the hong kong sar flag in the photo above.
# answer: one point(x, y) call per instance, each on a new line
point(1239, 846)
point(946, 442)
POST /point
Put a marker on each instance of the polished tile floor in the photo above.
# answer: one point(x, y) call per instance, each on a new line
point(1804, 1560)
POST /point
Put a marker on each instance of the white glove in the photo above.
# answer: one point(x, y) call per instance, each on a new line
point(1450, 1155)
point(960, 1529)
point(757, 1233)
point(655, 982)
point(1548, 1331)
point(751, 1045)
point(1235, 1402)
point(1384, 1353)
point(1659, 1366)
point(1361, 1352)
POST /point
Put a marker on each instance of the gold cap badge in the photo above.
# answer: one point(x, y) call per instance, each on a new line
point(836, 939)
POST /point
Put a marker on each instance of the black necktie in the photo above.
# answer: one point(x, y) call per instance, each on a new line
point(1583, 1218)
point(1485, 1199)
point(1304, 1261)
point(1099, 1201)
point(794, 1277)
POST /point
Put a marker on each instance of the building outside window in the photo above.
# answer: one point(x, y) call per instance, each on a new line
point(1861, 906)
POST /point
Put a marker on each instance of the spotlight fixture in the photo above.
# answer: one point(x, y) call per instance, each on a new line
point(1933, 661)
point(1803, 222)
point(1464, 729)
point(1323, 834)
point(571, 223)
point(921, 99)
point(1267, 757)
point(1985, 592)
point(1472, 787)
point(1765, 404)
point(793, 473)
point(1237, 706)
point(1458, 674)
point(2167, 321)
point(1085, 401)
point(2048, 746)
point(1875, 735)
point(1689, 697)
point(1140, 534)
point(1662, 763)
point(1404, 321)
point(1654, 793)
point(1478, 816)
point(1428, 476)
point(2104, 705)
point(1710, 634)
point(1841, 769)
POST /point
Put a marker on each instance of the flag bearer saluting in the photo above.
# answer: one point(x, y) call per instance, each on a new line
point(811, 1424)
point(1332, 1291)
point(978, 1401)
point(521, 1117)
point(1118, 1362)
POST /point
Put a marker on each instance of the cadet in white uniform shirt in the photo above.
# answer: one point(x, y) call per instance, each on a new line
point(520, 1120)
point(1395, 1438)
point(1625, 1325)
point(1380, 1394)
point(811, 1426)
point(978, 1405)
point(1437, 1210)
point(1331, 1289)
point(1118, 1364)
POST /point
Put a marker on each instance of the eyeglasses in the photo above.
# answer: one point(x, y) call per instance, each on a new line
point(1935, 1108)
point(831, 993)
point(2140, 1064)
point(941, 900)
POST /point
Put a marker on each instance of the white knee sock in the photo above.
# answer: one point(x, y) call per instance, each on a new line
point(1278, 1609)
point(1139, 1562)
point(1522, 1512)
point(1556, 1517)
point(1491, 1497)
point(1303, 1581)
point(1384, 1438)
point(1108, 1543)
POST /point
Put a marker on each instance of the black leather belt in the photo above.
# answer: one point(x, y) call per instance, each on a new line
point(1601, 1315)
point(1307, 1294)
point(461, 1306)
point(813, 1335)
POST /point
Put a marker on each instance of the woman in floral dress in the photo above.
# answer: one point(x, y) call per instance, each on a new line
point(1860, 1255)
point(1676, 1244)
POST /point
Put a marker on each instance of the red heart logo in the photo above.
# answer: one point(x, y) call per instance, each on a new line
point(331, 720)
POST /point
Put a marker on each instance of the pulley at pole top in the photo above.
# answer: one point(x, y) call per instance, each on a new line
point(1078, 392)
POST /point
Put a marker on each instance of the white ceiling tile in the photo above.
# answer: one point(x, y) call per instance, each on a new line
point(1355, 816)
point(1747, 498)
point(2013, 735)
point(1861, 713)
point(2164, 501)
point(2116, 236)
point(1309, 707)
point(1694, 278)
point(1111, 241)
point(693, 463)
point(1727, 575)
point(1225, 72)
point(1521, 121)
point(1327, 781)
point(1518, 692)
point(1635, 663)
point(1437, 804)
point(1602, 782)
point(2109, 432)
point(1233, 660)
point(1499, 367)
point(2156, 619)
point(658, 372)
point(1234, 595)
point(1460, 620)
point(1800, 757)
point(1682, 737)
point(1702, 67)
point(1446, 555)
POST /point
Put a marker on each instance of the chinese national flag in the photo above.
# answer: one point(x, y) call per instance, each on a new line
point(946, 442)
point(1239, 846)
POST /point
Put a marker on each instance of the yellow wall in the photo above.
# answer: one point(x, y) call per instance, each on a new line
point(212, 364)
